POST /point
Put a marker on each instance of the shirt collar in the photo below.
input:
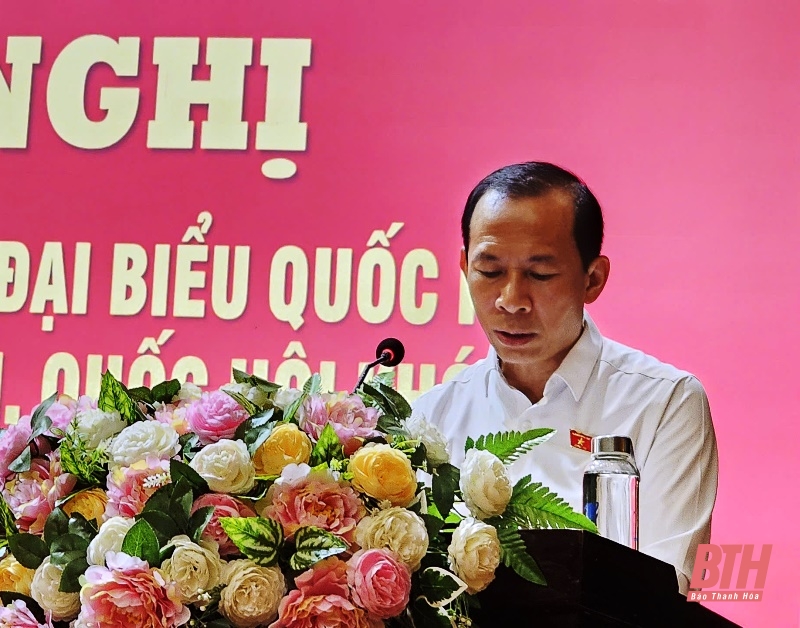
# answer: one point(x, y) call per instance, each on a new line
point(577, 366)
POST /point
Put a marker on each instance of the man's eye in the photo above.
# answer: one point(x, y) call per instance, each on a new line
point(489, 273)
point(540, 277)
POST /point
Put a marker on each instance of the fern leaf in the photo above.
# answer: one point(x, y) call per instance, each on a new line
point(509, 446)
point(535, 506)
point(515, 555)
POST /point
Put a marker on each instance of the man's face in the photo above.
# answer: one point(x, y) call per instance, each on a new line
point(526, 279)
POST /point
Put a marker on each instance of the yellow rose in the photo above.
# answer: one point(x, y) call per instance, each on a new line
point(285, 445)
point(90, 503)
point(14, 577)
point(384, 473)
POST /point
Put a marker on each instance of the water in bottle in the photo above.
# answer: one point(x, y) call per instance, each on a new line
point(611, 490)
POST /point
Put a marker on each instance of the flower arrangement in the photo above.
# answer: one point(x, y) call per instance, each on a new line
point(256, 505)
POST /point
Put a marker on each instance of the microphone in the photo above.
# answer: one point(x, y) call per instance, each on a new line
point(390, 352)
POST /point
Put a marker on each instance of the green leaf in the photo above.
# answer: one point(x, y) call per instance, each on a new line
point(240, 377)
point(141, 393)
point(312, 545)
point(198, 522)
point(515, 555)
point(113, 396)
point(534, 506)
point(56, 525)
point(444, 487)
point(29, 550)
point(258, 538)
point(79, 526)
point(509, 446)
point(164, 527)
point(433, 524)
point(67, 548)
point(327, 448)
point(70, 577)
point(8, 526)
point(402, 409)
point(178, 470)
point(243, 401)
point(439, 587)
point(21, 463)
point(166, 391)
point(313, 385)
point(40, 422)
point(141, 542)
point(290, 410)
point(255, 430)
point(180, 503)
point(384, 377)
point(160, 500)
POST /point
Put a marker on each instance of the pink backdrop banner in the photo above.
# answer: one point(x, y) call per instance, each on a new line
point(278, 186)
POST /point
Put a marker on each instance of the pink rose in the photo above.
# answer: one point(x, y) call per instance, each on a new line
point(129, 488)
point(215, 416)
point(298, 610)
point(65, 408)
point(13, 443)
point(327, 577)
point(17, 615)
point(224, 506)
point(32, 495)
point(350, 418)
point(380, 583)
point(315, 499)
point(129, 593)
point(175, 416)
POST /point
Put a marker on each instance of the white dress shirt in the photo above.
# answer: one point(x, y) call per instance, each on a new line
point(601, 387)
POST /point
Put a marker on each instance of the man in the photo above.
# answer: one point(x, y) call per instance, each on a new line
point(532, 238)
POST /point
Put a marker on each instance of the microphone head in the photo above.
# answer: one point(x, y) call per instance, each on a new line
point(393, 348)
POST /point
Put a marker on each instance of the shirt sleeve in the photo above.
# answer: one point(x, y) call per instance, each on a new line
point(679, 481)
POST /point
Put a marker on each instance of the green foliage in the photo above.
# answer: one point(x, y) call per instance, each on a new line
point(198, 522)
point(21, 463)
point(386, 378)
point(29, 550)
point(444, 486)
point(240, 377)
point(255, 430)
point(534, 506)
point(514, 554)
point(313, 545)
point(327, 448)
point(89, 464)
point(164, 392)
point(141, 542)
point(393, 407)
point(243, 401)
point(178, 470)
point(509, 446)
point(40, 422)
point(114, 397)
point(313, 385)
point(8, 527)
point(258, 538)
point(439, 587)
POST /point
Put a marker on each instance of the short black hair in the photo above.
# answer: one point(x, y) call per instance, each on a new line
point(533, 179)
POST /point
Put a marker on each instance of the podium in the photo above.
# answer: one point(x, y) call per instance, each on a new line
point(591, 582)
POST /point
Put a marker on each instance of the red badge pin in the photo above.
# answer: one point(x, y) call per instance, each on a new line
point(580, 441)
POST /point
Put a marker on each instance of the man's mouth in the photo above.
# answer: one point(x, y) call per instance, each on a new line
point(514, 338)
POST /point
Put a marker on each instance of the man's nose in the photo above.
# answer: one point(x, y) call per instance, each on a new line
point(514, 297)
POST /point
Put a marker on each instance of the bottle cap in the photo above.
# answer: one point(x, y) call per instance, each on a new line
point(612, 444)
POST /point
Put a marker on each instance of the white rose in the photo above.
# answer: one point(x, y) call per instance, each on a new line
point(226, 466)
point(96, 427)
point(252, 393)
point(474, 553)
point(109, 539)
point(44, 589)
point(286, 397)
point(485, 484)
point(419, 428)
point(252, 594)
point(397, 529)
point(194, 568)
point(189, 392)
point(142, 440)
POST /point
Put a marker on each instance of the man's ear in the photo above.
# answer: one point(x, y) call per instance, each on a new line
point(464, 262)
point(596, 278)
